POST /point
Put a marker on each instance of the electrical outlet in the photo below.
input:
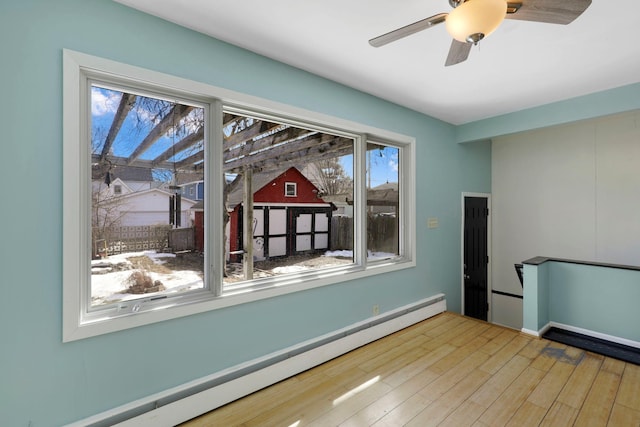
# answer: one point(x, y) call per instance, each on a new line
point(375, 309)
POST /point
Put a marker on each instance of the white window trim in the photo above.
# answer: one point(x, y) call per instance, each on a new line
point(295, 189)
point(76, 239)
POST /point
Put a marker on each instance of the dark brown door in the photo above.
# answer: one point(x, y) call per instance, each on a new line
point(476, 257)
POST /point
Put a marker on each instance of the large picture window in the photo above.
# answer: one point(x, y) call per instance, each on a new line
point(143, 149)
point(178, 200)
point(286, 195)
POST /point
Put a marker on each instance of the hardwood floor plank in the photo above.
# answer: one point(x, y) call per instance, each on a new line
point(493, 332)
point(435, 413)
point(311, 401)
point(347, 405)
point(394, 353)
point(477, 328)
point(450, 323)
point(527, 415)
point(547, 391)
point(506, 353)
point(458, 355)
point(599, 402)
point(244, 409)
point(533, 348)
point(579, 384)
point(358, 356)
point(465, 415)
point(549, 355)
point(419, 365)
point(422, 328)
point(389, 402)
point(403, 413)
point(559, 415)
point(621, 416)
point(493, 388)
point(496, 343)
point(453, 376)
point(448, 336)
point(629, 393)
point(614, 366)
point(500, 412)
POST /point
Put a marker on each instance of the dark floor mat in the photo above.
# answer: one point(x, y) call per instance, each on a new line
point(595, 345)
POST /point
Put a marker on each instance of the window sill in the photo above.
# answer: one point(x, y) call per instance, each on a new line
point(235, 296)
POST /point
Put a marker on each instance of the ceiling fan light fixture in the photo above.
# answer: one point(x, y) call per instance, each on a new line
point(474, 20)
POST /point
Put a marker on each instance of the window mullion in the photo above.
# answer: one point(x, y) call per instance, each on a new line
point(360, 201)
point(214, 181)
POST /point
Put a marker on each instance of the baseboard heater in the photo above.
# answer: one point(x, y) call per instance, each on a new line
point(189, 400)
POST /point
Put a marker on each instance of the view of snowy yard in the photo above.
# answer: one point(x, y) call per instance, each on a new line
point(112, 277)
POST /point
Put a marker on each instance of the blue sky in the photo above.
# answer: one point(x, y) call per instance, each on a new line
point(104, 104)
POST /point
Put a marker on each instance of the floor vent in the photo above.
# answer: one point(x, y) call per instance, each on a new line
point(596, 345)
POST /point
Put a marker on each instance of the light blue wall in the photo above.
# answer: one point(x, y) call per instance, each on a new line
point(45, 382)
point(535, 310)
point(599, 299)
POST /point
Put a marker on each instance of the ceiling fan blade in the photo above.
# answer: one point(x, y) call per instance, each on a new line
point(407, 30)
point(458, 52)
point(549, 11)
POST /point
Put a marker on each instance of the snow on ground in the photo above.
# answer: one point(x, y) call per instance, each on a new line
point(109, 276)
point(290, 269)
point(110, 287)
point(343, 254)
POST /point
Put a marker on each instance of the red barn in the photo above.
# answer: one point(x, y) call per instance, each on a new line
point(288, 217)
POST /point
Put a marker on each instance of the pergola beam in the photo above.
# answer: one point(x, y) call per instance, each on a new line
point(127, 102)
point(261, 146)
point(188, 141)
point(172, 118)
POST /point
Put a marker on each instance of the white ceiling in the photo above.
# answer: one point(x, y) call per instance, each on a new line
point(521, 65)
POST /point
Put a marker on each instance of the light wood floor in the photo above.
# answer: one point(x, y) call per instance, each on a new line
point(448, 371)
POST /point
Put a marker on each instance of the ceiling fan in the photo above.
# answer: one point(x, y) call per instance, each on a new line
point(472, 20)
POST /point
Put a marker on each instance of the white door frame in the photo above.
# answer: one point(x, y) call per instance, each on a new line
point(489, 284)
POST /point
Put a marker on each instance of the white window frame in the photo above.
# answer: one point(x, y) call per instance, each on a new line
point(79, 69)
point(288, 185)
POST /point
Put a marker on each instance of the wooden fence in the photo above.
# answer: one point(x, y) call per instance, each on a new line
point(182, 239)
point(382, 234)
point(117, 240)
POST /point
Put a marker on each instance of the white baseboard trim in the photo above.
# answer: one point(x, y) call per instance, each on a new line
point(594, 334)
point(539, 333)
point(261, 372)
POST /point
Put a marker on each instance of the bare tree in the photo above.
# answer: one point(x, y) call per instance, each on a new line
point(106, 212)
point(330, 177)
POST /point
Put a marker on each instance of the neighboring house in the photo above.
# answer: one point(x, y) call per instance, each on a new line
point(343, 204)
point(193, 190)
point(288, 216)
point(148, 207)
point(383, 200)
point(131, 197)
point(121, 180)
